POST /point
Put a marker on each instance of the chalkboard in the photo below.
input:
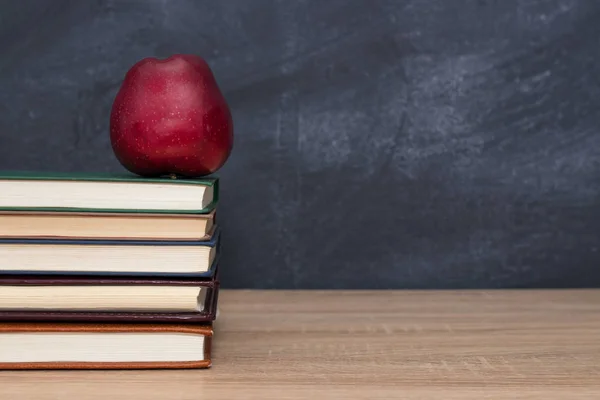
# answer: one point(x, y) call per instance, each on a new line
point(378, 144)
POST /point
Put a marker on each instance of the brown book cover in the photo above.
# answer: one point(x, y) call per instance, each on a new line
point(26, 346)
point(106, 226)
point(22, 314)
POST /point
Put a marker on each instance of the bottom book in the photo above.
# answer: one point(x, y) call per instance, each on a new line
point(104, 346)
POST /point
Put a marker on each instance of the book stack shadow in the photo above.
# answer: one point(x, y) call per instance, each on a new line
point(107, 272)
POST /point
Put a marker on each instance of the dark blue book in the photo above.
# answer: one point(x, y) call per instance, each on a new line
point(111, 257)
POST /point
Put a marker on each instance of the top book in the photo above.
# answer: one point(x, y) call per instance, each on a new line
point(29, 191)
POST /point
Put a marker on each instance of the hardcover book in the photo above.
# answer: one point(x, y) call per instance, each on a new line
point(112, 257)
point(104, 346)
point(29, 191)
point(106, 226)
point(107, 299)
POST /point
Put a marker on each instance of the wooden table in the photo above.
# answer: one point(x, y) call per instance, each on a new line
point(370, 344)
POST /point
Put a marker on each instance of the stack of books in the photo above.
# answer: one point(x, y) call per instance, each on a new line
point(107, 272)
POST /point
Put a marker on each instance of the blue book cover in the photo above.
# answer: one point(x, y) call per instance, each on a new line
point(193, 259)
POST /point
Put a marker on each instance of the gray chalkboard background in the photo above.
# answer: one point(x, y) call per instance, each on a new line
point(379, 144)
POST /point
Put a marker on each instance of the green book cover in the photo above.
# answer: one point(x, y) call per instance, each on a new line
point(210, 181)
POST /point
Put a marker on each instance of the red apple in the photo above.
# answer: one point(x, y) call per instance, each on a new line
point(170, 118)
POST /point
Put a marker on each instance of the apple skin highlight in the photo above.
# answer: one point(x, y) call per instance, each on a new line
point(169, 117)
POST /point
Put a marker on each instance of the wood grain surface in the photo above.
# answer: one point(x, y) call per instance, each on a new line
point(370, 344)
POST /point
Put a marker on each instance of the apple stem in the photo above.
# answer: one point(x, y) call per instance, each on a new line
point(173, 176)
